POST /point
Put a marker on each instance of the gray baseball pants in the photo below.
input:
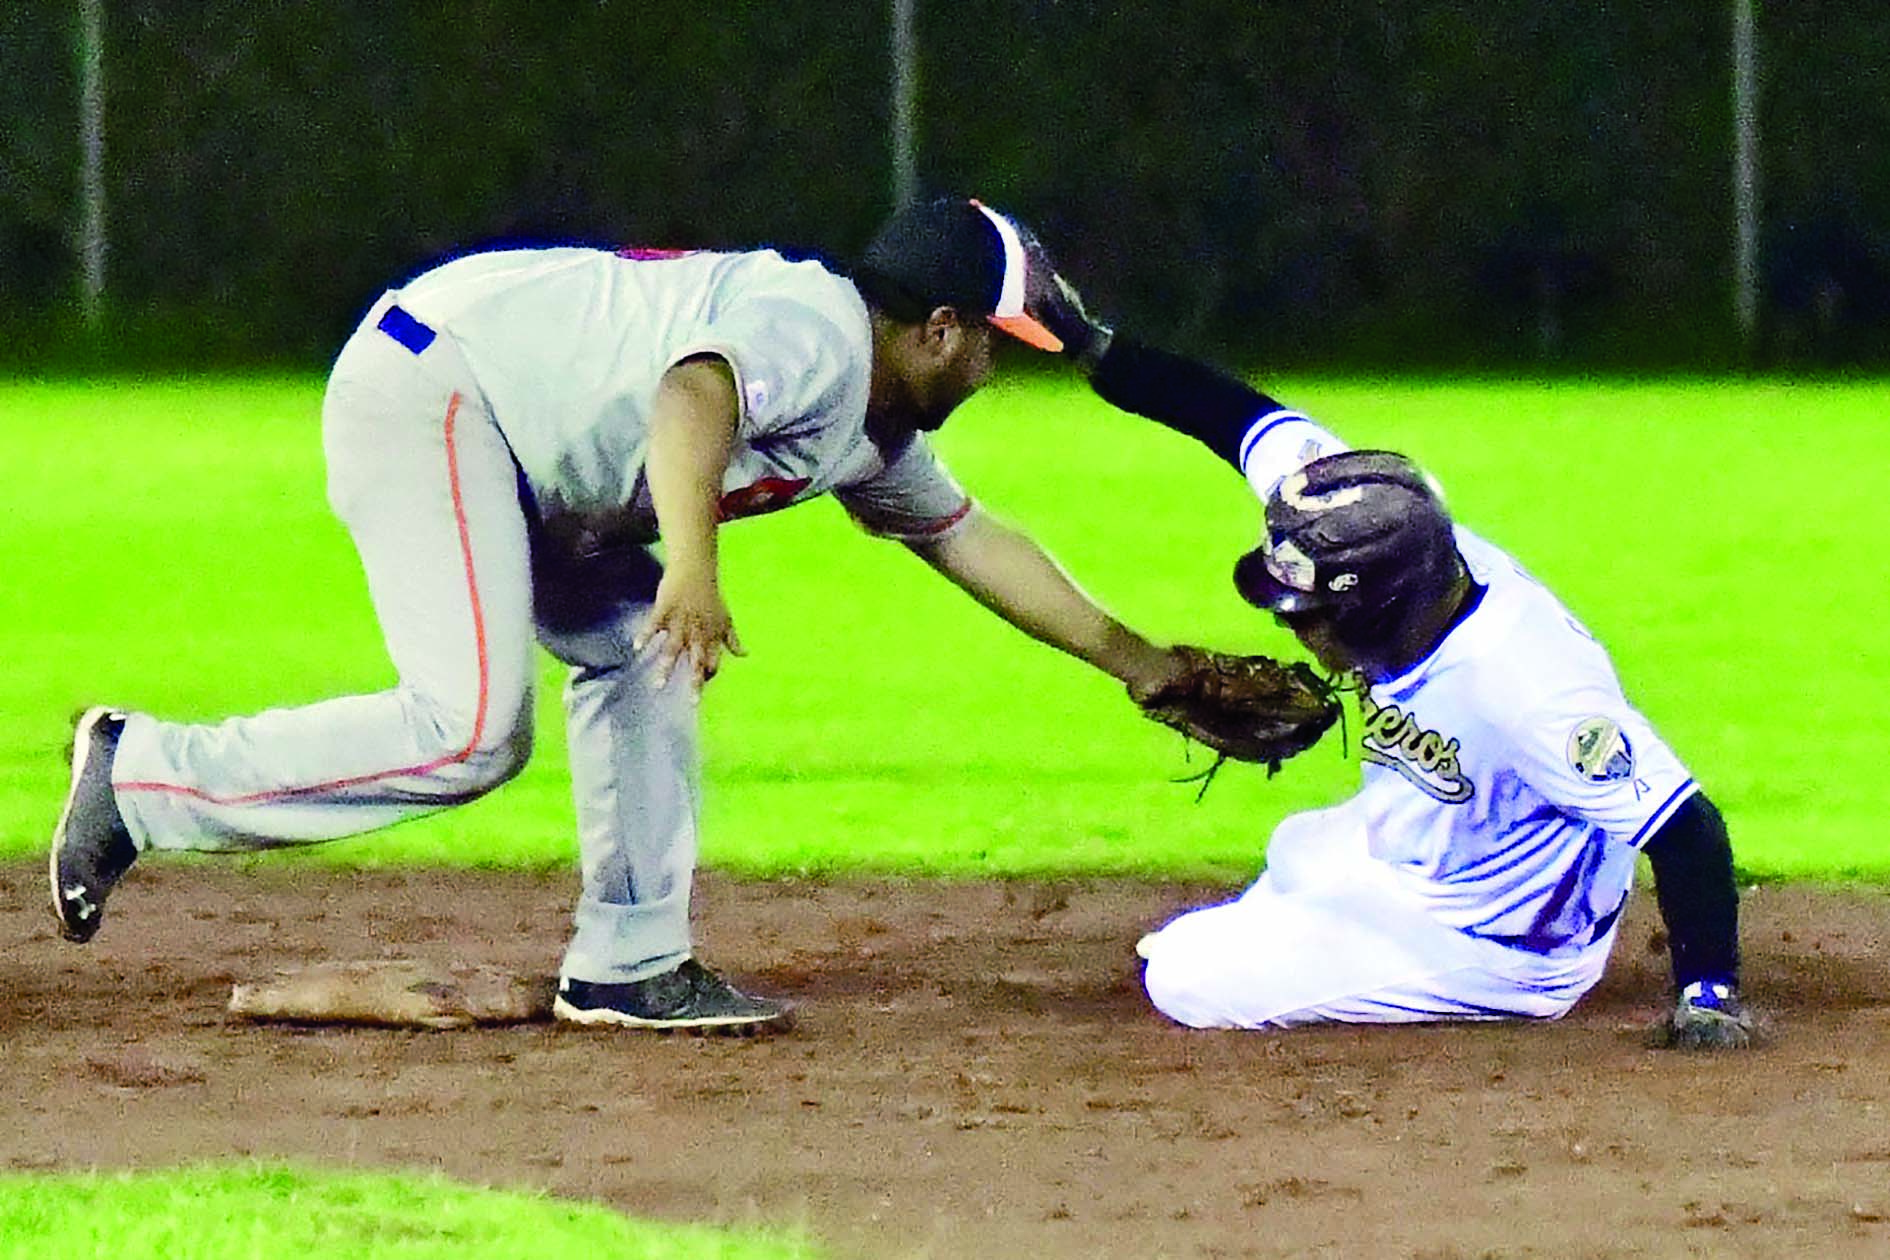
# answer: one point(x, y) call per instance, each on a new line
point(421, 476)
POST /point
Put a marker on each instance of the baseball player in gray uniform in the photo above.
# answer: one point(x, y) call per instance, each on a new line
point(505, 438)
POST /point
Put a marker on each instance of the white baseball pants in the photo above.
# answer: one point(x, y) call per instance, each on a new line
point(1327, 935)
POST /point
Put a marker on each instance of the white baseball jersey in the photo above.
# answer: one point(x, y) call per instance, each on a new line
point(1481, 867)
point(569, 345)
point(1507, 779)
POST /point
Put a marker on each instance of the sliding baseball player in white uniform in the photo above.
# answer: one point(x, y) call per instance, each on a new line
point(1508, 784)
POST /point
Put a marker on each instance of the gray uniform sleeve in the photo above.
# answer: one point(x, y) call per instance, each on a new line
point(911, 499)
point(790, 362)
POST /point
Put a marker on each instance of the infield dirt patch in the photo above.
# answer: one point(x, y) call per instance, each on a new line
point(975, 1074)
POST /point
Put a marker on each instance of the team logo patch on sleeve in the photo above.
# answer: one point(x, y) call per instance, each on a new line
point(1599, 751)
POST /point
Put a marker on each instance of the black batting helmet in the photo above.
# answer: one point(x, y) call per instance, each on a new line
point(1361, 536)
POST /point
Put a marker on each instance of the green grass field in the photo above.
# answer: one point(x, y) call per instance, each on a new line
point(168, 547)
point(261, 1212)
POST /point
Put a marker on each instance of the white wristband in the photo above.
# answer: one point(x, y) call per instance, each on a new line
point(1280, 443)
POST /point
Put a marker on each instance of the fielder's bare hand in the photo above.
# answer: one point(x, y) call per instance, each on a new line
point(690, 622)
point(1156, 671)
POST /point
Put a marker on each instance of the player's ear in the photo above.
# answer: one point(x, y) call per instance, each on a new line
point(942, 331)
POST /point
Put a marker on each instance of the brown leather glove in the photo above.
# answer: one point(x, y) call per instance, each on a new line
point(1250, 708)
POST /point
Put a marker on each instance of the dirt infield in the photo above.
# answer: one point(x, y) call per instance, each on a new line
point(975, 1074)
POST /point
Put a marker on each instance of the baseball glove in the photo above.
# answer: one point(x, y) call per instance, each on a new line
point(1250, 708)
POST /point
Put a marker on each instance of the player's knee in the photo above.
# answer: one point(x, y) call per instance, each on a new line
point(473, 771)
point(473, 753)
point(498, 763)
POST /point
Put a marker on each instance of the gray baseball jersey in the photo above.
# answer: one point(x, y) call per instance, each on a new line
point(538, 367)
point(568, 346)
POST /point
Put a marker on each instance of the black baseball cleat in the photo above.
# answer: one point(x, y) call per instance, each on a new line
point(690, 998)
point(91, 850)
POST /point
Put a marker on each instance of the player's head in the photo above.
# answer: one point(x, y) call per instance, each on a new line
point(1358, 559)
point(944, 275)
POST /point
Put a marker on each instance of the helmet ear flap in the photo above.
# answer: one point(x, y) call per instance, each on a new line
point(1398, 597)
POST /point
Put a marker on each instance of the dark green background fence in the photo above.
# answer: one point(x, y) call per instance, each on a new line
point(1448, 183)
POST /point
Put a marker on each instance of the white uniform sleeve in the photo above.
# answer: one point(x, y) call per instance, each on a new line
point(789, 361)
point(1595, 757)
point(912, 499)
point(1279, 444)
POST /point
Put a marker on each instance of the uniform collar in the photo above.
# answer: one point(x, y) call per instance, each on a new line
point(1471, 603)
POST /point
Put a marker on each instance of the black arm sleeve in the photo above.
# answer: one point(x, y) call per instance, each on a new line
point(1698, 896)
point(1185, 395)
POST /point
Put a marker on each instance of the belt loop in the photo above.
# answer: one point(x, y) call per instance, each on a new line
point(406, 330)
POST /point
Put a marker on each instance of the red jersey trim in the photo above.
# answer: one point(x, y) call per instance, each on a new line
point(644, 253)
point(944, 523)
point(770, 494)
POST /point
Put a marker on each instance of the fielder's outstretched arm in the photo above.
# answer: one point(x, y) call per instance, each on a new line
point(1180, 393)
point(1007, 572)
point(1263, 439)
